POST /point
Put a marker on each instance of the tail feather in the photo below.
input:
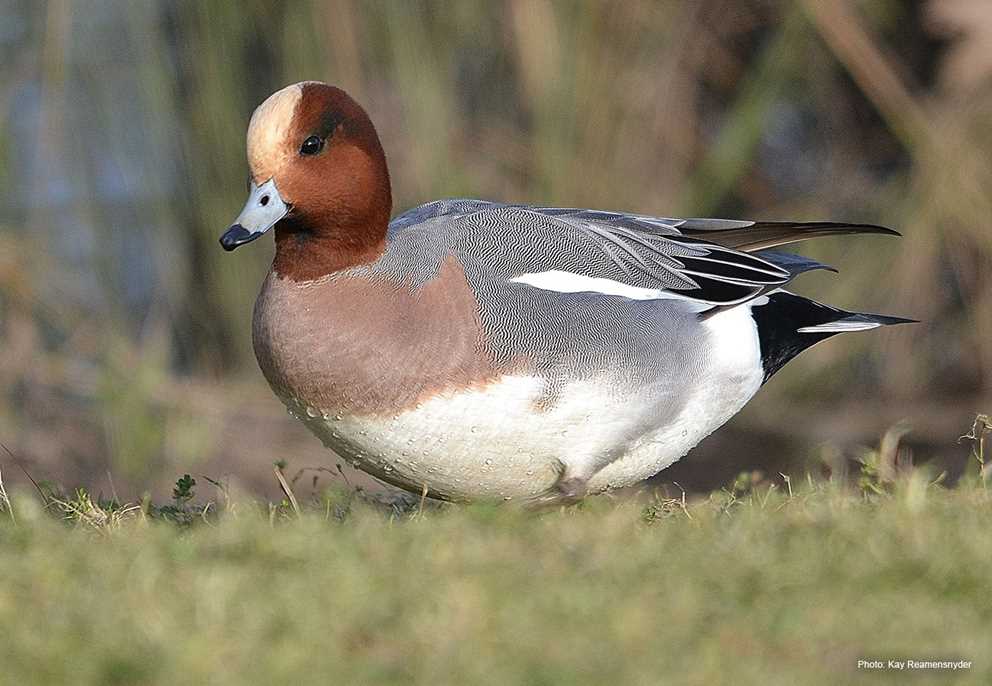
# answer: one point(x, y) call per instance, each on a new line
point(789, 324)
point(753, 236)
point(855, 322)
point(794, 264)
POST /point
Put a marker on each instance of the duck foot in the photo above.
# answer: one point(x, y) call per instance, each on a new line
point(572, 489)
point(567, 490)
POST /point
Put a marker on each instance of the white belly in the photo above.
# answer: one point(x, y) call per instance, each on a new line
point(499, 443)
point(730, 379)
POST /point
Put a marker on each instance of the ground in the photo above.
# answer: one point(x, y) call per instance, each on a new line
point(793, 583)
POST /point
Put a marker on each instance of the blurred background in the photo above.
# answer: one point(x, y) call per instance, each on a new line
point(125, 356)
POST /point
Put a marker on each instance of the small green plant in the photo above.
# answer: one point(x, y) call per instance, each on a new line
point(747, 481)
point(664, 507)
point(179, 511)
point(183, 491)
point(870, 479)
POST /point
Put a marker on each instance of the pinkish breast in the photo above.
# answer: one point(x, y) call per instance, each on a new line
point(355, 345)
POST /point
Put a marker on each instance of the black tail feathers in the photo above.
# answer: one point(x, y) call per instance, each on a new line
point(788, 324)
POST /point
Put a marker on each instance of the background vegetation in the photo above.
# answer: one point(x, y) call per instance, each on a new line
point(124, 329)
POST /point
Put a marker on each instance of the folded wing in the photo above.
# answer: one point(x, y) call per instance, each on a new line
point(718, 262)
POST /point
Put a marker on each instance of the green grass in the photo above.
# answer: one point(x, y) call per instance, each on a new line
point(753, 585)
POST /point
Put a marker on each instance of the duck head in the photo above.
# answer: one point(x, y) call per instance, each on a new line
point(318, 175)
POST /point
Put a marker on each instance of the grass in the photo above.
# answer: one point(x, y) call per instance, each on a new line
point(757, 583)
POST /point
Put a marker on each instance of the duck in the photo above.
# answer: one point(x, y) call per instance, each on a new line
point(472, 350)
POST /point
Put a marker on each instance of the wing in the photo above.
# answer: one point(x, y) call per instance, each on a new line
point(575, 250)
point(449, 207)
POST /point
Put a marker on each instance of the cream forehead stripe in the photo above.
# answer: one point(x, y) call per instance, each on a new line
point(267, 131)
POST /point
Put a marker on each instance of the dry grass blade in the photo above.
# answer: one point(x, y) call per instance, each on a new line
point(423, 501)
point(888, 451)
point(30, 478)
point(981, 428)
point(5, 501)
point(101, 518)
point(284, 485)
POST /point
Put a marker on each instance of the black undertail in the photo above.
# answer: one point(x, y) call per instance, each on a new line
point(787, 326)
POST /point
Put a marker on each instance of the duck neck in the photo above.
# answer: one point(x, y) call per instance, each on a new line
point(304, 253)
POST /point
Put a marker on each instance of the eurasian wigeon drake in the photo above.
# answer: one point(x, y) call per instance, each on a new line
point(482, 350)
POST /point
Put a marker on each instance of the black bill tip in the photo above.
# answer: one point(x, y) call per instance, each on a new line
point(235, 236)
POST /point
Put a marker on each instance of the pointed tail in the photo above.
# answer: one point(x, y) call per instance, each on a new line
point(788, 324)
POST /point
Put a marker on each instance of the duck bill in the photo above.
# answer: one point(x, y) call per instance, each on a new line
point(263, 210)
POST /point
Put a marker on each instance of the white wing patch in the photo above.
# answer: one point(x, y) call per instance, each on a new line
point(569, 282)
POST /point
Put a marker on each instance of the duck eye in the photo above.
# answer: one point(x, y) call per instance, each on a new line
point(311, 146)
